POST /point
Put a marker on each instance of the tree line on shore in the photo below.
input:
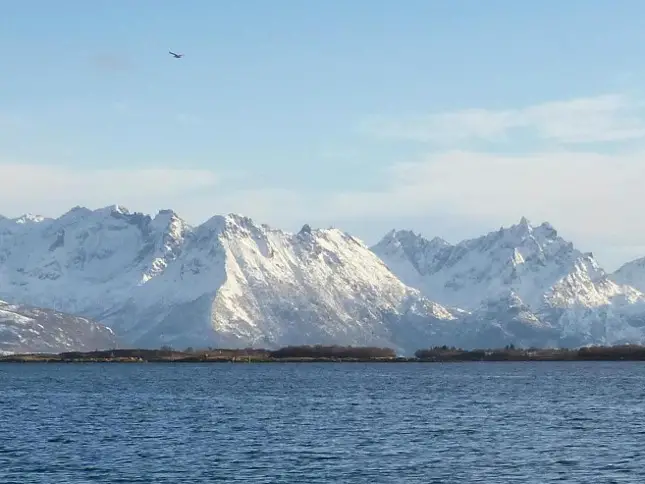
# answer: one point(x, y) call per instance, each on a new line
point(511, 353)
point(346, 353)
point(300, 352)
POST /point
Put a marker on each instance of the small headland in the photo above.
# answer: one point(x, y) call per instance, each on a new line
point(319, 353)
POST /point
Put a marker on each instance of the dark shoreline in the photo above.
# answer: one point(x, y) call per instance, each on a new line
point(334, 354)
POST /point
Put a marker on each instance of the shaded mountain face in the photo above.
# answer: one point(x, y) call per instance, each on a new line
point(25, 329)
point(227, 282)
point(566, 298)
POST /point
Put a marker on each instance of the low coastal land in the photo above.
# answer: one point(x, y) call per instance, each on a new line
point(333, 354)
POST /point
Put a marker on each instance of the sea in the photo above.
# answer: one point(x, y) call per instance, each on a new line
point(528, 422)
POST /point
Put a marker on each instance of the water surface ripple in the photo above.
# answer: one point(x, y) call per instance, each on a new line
point(322, 423)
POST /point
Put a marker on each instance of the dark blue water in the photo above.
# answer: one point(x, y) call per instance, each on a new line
point(315, 423)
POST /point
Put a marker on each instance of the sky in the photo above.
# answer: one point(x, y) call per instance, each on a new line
point(448, 118)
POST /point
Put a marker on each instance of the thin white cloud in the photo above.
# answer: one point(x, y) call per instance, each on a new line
point(611, 117)
point(195, 194)
point(51, 190)
point(594, 198)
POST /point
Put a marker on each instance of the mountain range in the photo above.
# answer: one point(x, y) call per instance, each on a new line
point(152, 281)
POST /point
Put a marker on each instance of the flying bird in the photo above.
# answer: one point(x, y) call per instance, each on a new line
point(176, 56)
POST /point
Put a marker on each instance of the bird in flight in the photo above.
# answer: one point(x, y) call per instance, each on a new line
point(176, 56)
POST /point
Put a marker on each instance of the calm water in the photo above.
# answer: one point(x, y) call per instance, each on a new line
point(314, 423)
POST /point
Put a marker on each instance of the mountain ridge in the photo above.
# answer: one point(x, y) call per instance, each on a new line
point(230, 281)
point(227, 281)
point(559, 286)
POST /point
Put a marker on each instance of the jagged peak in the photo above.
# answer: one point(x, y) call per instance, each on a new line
point(79, 211)
point(232, 222)
point(524, 222)
point(405, 233)
point(79, 215)
point(396, 235)
point(525, 242)
point(330, 233)
point(439, 241)
point(112, 210)
point(235, 225)
point(305, 230)
point(167, 211)
point(525, 233)
point(521, 235)
point(406, 236)
point(521, 229)
point(214, 223)
point(525, 225)
point(170, 224)
point(239, 218)
point(165, 217)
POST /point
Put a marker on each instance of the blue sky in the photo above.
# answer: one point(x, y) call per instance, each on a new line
point(294, 112)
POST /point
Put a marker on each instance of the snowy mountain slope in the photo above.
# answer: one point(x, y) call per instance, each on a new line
point(26, 329)
point(563, 288)
point(227, 282)
point(504, 321)
point(530, 261)
point(632, 274)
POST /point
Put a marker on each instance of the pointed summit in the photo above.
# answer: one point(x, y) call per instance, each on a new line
point(523, 226)
point(522, 229)
point(305, 230)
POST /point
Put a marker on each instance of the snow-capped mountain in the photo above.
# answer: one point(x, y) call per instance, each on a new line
point(233, 282)
point(25, 329)
point(562, 291)
point(227, 282)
